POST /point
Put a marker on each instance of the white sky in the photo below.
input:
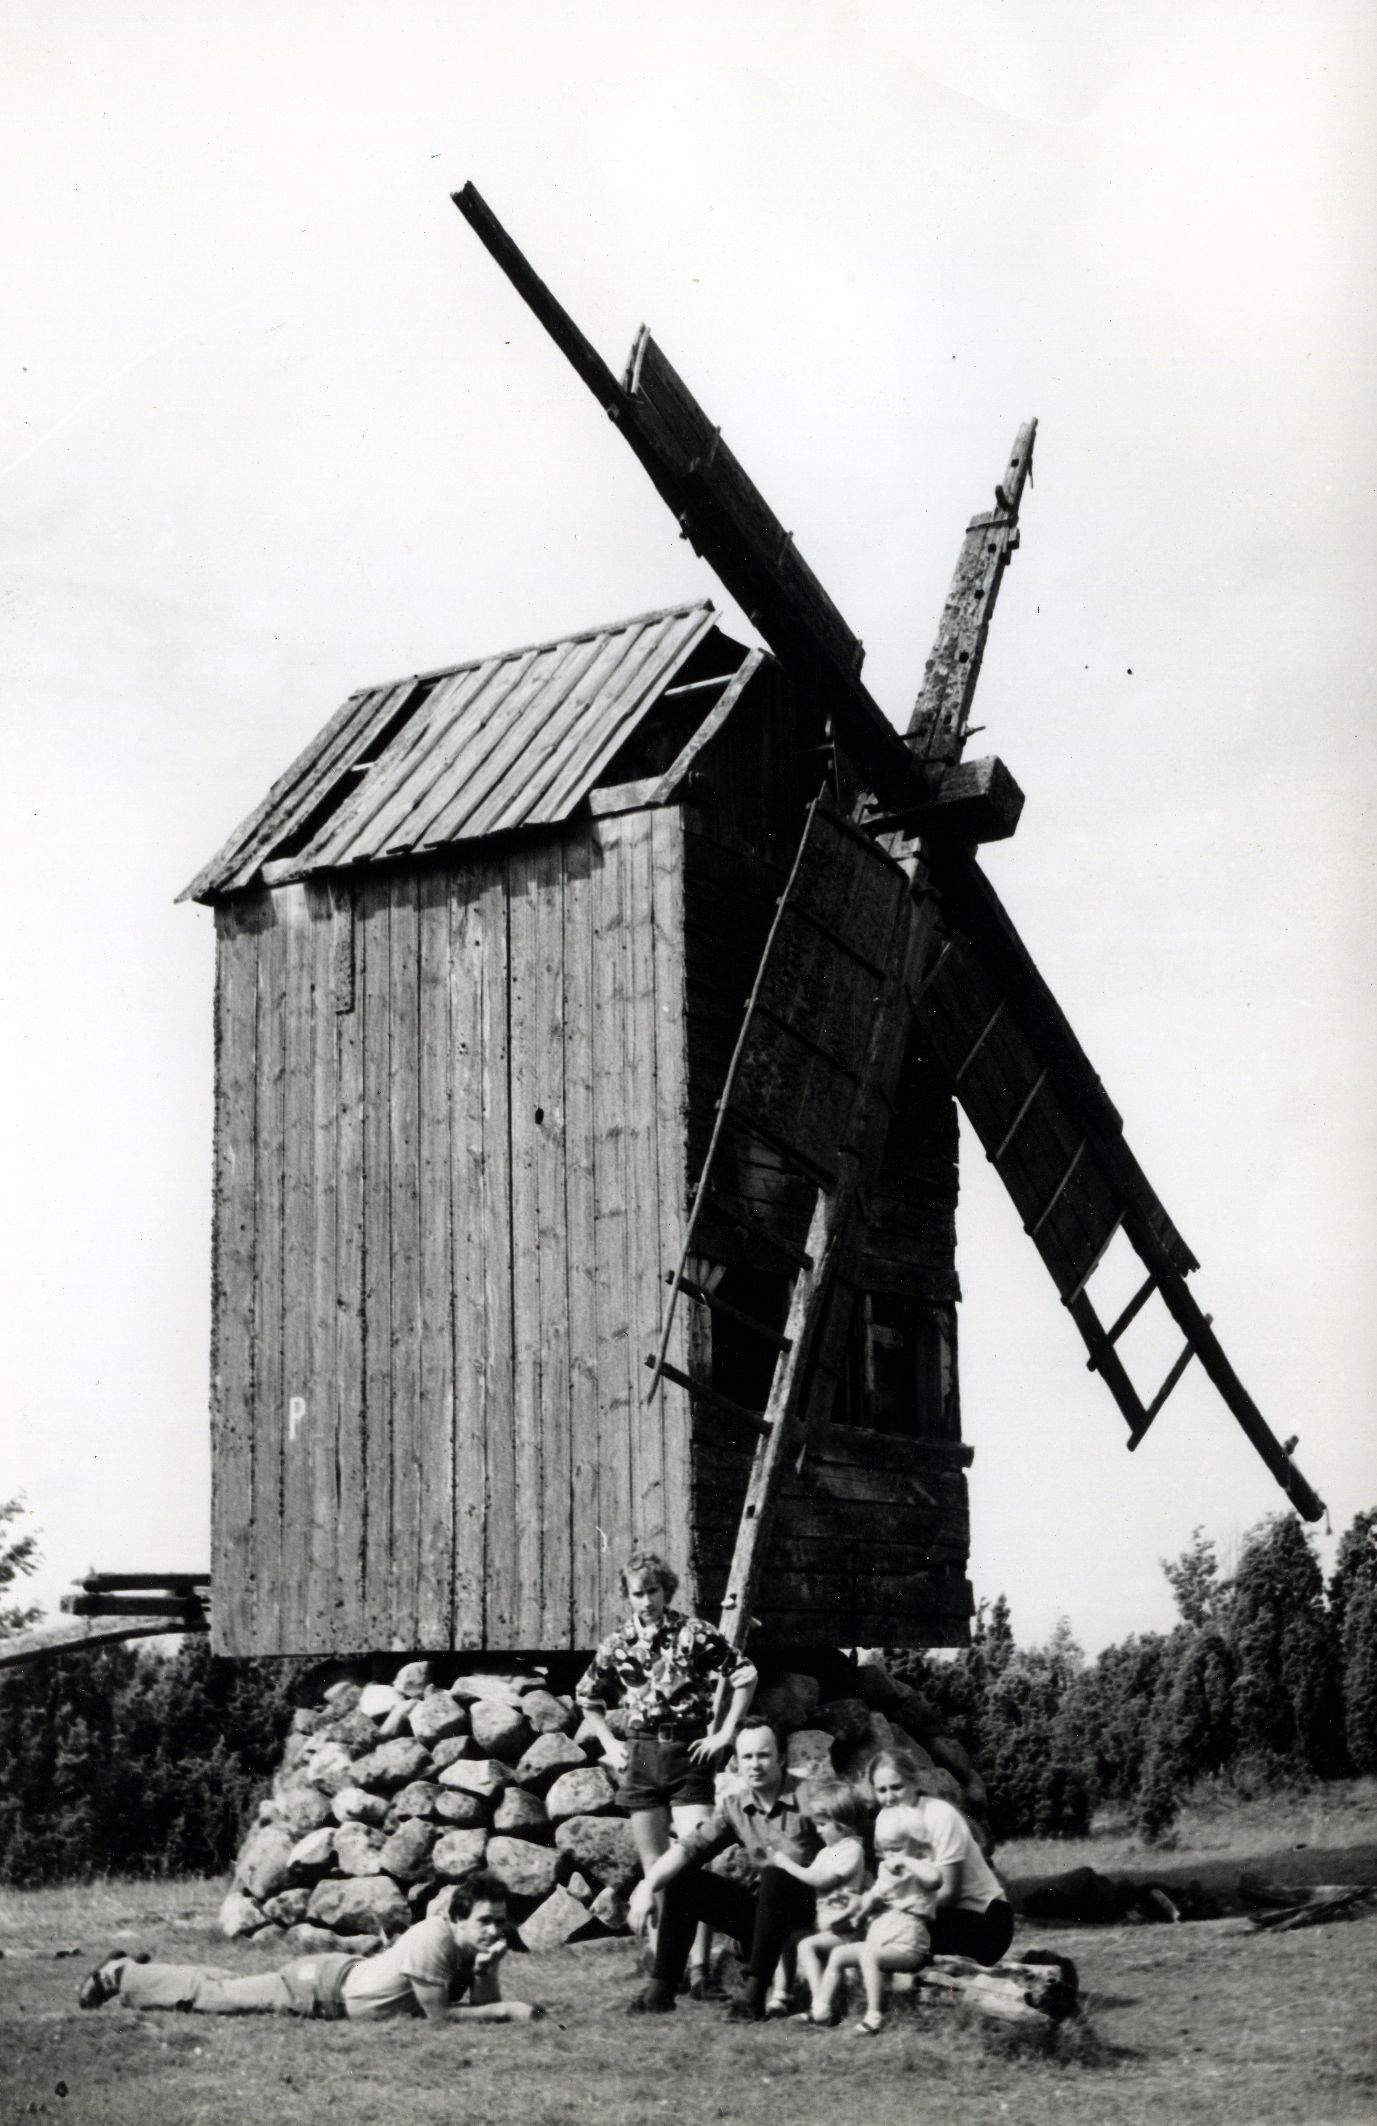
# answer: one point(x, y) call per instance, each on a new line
point(273, 426)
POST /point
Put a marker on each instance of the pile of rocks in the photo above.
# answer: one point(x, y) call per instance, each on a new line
point(391, 1793)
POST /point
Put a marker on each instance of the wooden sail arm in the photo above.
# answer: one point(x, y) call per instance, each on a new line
point(720, 510)
point(937, 727)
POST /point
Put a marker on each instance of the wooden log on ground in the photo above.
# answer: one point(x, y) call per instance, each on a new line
point(1013, 1992)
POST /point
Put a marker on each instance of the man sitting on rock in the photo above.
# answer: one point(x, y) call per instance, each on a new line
point(764, 1818)
point(427, 1971)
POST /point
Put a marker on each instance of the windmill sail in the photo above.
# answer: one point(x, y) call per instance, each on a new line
point(1018, 1070)
point(1056, 1140)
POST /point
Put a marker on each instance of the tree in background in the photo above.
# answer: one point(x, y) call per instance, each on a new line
point(1353, 1610)
point(1286, 1699)
point(18, 1558)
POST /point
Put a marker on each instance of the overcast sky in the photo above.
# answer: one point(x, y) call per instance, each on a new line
point(273, 426)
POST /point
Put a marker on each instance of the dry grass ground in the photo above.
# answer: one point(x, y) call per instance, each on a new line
point(1181, 2024)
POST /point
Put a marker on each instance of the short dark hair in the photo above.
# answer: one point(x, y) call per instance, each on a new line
point(754, 1721)
point(480, 1888)
point(649, 1565)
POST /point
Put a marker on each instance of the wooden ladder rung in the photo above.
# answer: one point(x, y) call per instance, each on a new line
point(724, 1307)
point(701, 1393)
point(1165, 1390)
point(1055, 1198)
point(1133, 1309)
point(717, 1207)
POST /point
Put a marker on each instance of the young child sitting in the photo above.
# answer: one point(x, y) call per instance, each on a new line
point(837, 1875)
point(896, 1911)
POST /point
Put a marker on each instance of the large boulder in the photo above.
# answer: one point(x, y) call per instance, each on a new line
point(456, 1854)
point(436, 1717)
point(406, 1854)
point(915, 1712)
point(547, 1757)
point(585, 1792)
point(417, 1798)
point(354, 1804)
point(302, 1808)
point(548, 1714)
point(845, 1719)
point(358, 1849)
point(264, 1866)
point(874, 1682)
point(809, 1751)
point(456, 1807)
point(507, 1683)
point(288, 1907)
point(313, 1854)
point(451, 1750)
point(308, 1940)
point(499, 1729)
point(483, 1776)
point(378, 1700)
point(412, 1680)
point(242, 1915)
point(522, 1815)
point(602, 1848)
point(552, 1922)
point(330, 1767)
point(391, 1764)
point(786, 1699)
point(342, 1697)
point(609, 1908)
point(354, 1731)
point(373, 1905)
point(524, 1870)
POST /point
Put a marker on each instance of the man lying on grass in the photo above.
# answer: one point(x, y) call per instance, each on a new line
point(440, 1968)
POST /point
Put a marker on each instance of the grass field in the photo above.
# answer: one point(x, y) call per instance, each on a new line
point(1181, 2024)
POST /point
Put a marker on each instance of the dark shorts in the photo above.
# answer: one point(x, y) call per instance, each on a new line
point(662, 1775)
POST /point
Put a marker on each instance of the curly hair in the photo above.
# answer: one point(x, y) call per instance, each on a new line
point(649, 1565)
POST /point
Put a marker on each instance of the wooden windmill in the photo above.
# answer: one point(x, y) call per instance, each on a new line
point(590, 1023)
point(887, 934)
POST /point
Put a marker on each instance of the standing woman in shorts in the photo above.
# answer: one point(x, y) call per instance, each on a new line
point(665, 1669)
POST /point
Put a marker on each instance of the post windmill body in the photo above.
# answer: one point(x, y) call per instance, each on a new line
point(591, 1021)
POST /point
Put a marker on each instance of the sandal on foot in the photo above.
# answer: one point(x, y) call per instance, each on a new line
point(868, 2026)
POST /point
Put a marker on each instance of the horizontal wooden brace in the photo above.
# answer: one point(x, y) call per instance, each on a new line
point(976, 801)
point(701, 1393)
point(131, 1605)
point(717, 1207)
point(724, 1307)
point(126, 1582)
point(1165, 1390)
point(1132, 1310)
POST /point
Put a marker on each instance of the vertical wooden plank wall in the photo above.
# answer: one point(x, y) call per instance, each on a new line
point(450, 1174)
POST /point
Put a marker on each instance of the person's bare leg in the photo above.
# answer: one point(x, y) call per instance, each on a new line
point(687, 1817)
point(843, 1958)
point(811, 1951)
point(874, 1964)
point(650, 1829)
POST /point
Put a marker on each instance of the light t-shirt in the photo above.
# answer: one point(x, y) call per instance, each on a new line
point(949, 1838)
point(843, 1866)
point(902, 1892)
point(381, 1985)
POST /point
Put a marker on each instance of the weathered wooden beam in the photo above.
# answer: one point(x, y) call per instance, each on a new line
point(976, 801)
point(937, 726)
point(183, 1583)
point(721, 511)
point(702, 1393)
point(131, 1605)
point(47, 1639)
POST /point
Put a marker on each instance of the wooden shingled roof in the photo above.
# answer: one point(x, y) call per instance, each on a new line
point(515, 740)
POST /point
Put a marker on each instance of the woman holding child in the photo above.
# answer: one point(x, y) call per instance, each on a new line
point(932, 1888)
